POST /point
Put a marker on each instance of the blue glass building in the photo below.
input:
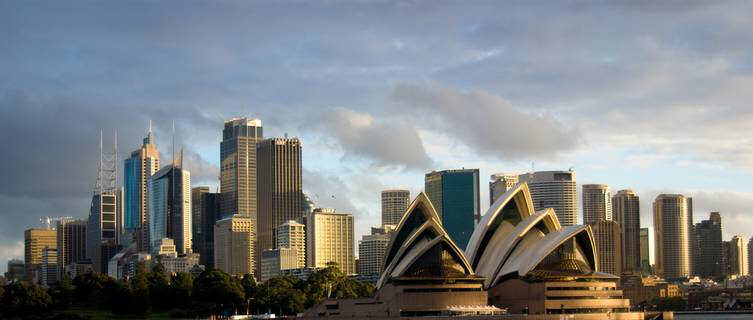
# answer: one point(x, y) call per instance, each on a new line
point(454, 194)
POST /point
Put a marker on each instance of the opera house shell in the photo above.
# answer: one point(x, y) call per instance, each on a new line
point(517, 260)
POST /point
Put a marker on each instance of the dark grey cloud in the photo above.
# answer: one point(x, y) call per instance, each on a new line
point(384, 142)
point(487, 123)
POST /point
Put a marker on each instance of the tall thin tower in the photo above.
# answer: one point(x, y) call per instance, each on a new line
point(105, 226)
point(139, 167)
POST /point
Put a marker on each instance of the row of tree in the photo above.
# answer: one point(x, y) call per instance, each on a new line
point(213, 292)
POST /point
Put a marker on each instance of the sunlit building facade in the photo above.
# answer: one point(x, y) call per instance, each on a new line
point(556, 190)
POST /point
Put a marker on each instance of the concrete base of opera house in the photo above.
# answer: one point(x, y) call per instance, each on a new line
point(579, 316)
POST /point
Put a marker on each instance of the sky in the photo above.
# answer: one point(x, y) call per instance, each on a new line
point(650, 96)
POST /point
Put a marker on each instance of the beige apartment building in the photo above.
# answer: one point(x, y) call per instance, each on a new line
point(394, 203)
point(597, 203)
point(330, 239)
point(609, 246)
point(292, 235)
point(233, 245)
point(556, 190)
point(626, 212)
point(671, 236)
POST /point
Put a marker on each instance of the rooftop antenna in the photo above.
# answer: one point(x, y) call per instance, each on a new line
point(173, 138)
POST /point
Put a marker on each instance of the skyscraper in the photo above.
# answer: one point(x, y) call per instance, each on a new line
point(238, 166)
point(645, 260)
point(48, 270)
point(371, 250)
point(197, 205)
point(626, 212)
point(671, 234)
point(233, 249)
point(102, 238)
point(609, 246)
point(749, 258)
point(138, 168)
point(597, 203)
point(556, 190)
point(35, 241)
point(329, 238)
point(394, 203)
point(170, 206)
point(455, 196)
point(709, 248)
point(280, 195)
point(210, 213)
point(71, 243)
point(735, 256)
point(499, 184)
point(292, 235)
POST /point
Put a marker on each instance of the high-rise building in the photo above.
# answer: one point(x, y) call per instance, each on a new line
point(292, 235)
point(280, 188)
point(626, 212)
point(238, 166)
point(275, 260)
point(16, 270)
point(170, 206)
point(138, 168)
point(71, 238)
point(329, 238)
point(102, 237)
point(556, 190)
point(645, 260)
point(371, 250)
point(35, 241)
point(672, 247)
point(394, 203)
point(455, 196)
point(49, 269)
point(597, 203)
point(709, 248)
point(233, 245)
point(735, 257)
point(691, 237)
point(197, 206)
point(210, 213)
point(608, 245)
point(499, 184)
point(749, 258)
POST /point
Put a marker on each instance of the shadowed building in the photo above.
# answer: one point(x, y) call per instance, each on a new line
point(455, 195)
point(280, 188)
point(671, 236)
point(197, 206)
point(102, 239)
point(609, 246)
point(710, 260)
point(170, 206)
point(499, 184)
point(626, 212)
point(556, 190)
point(736, 257)
point(645, 254)
point(71, 238)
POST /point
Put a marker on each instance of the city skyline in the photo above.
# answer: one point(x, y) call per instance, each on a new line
point(67, 78)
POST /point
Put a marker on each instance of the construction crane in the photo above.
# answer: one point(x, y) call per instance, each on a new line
point(48, 220)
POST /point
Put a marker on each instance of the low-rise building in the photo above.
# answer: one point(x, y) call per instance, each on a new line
point(276, 260)
point(640, 290)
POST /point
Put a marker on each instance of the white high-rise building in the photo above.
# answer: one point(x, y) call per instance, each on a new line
point(499, 184)
point(329, 238)
point(292, 235)
point(394, 204)
point(556, 190)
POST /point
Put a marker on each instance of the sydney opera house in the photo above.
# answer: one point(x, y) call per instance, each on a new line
point(518, 261)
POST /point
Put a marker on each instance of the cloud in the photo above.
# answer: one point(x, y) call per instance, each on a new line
point(485, 122)
point(388, 142)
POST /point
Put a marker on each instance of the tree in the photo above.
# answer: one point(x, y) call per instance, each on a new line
point(215, 291)
point(331, 283)
point(181, 285)
point(94, 287)
point(669, 304)
point(140, 299)
point(159, 287)
point(24, 299)
point(282, 296)
point(63, 293)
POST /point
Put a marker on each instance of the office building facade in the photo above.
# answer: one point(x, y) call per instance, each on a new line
point(35, 242)
point(371, 250)
point(556, 190)
point(710, 260)
point(280, 187)
point(233, 245)
point(455, 196)
point(197, 206)
point(274, 261)
point(329, 238)
point(645, 254)
point(102, 231)
point(597, 203)
point(626, 212)
point(71, 238)
point(170, 207)
point(238, 166)
point(671, 236)
point(210, 213)
point(48, 271)
point(608, 245)
point(138, 168)
point(292, 235)
point(394, 203)
point(499, 184)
